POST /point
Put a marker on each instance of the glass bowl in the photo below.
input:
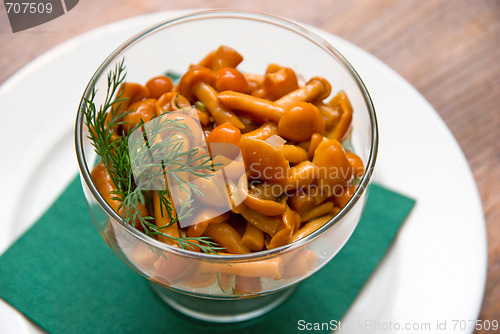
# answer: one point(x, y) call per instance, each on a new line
point(212, 286)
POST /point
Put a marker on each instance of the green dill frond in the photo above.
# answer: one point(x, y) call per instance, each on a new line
point(153, 161)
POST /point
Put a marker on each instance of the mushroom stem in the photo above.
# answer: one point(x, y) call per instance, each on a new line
point(207, 94)
point(253, 106)
point(316, 89)
point(263, 132)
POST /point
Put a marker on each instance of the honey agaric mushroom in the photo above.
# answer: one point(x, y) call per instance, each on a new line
point(317, 211)
point(163, 103)
point(179, 102)
point(159, 85)
point(225, 56)
point(313, 144)
point(301, 264)
point(331, 115)
point(267, 224)
point(344, 196)
point(358, 167)
point(310, 227)
point(300, 176)
point(233, 168)
point(229, 78)
point(279, 82)
point(263, 132)
point(334, 168)
point(106, 187)
point(204, 218)
point(263, 161)
point(197, 83)
point(171, 101)
point(164, 222)
point(283, 236)
point(341, 101)
point(264, 206)
point(194, 76)
point(140, 110)
point(131, 92)
point(128, 93)
point(293, 153)
point(257, 79)
point(226, 236)
point(302, 201)
point(251, 105)
point(253, 238)
point(207, 60)
point(316, 89)
point(300, 121)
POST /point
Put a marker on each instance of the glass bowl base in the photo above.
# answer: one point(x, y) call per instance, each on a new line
point(222, 310)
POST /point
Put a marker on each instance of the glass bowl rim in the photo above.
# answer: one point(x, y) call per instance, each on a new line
point(228, 14)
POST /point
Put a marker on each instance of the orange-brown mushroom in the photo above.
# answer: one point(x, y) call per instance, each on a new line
point(300, 121)
point(226, 236)
point(310, 227)
point(263, 132)
point(229, 78)
point(141, 110)
point(253, 238)
point(316, 89)
point(159, 85)
point(251, 105)
point(197, 84)
point(293, 153)
point(341, 102)
point(257, 200)
point(334, 168)
point(267, 224)
point(163, 221)
point(358, 167)
point(225, 56)
point(130, 92)
point(279, 82)
point(300, 176)
point(283, 236)
point(317, 211)
point(203, 219)
point(263, 161)
point(316, 138)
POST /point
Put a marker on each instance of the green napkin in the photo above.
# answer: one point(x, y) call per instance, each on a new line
point(64, 277)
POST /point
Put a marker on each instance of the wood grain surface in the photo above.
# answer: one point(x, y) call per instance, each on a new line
point(449, 50)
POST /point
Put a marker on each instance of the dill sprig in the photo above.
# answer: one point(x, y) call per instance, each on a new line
point(138, 163)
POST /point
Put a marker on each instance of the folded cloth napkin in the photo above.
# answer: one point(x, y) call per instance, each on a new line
point(63, 276)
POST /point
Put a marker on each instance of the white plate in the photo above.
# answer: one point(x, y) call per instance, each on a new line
point(435, 271)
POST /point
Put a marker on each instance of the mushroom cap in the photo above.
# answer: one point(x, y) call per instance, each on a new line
point(300, 121)
point(326, 86)
point(264, 161)
point(264, 206)
point(194, 75)
point(334, 168)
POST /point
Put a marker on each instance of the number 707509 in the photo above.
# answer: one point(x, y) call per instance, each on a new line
point(28, 7)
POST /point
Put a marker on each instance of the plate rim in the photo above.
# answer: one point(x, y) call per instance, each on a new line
point(26, 70)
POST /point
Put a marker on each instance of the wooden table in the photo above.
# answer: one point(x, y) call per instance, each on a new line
point(448, 49)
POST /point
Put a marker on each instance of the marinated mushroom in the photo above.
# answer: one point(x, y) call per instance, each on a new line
point(263, 161)
point(258, 162)
point(300, 121)
point(316, 89)
point(334, 168)
point(197, 83)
